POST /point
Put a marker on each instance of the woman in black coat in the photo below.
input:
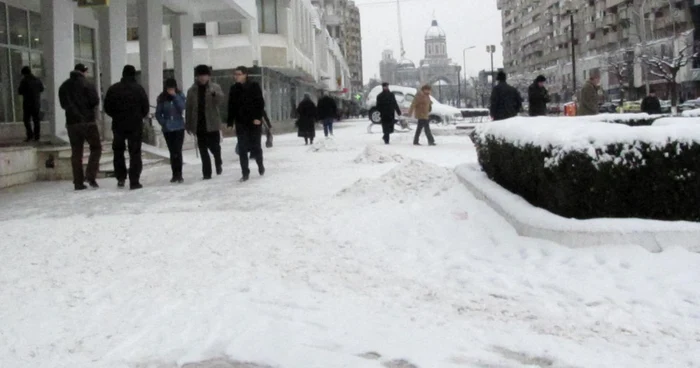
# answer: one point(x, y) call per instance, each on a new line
point(306, 119)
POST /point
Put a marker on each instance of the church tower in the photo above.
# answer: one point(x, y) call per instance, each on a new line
point(435, 42)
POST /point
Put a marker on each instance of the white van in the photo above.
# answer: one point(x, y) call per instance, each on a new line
point(404, 96)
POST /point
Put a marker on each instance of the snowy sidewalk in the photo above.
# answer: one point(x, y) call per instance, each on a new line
point(353, 254)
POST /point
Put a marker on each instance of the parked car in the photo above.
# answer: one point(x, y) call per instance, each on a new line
point(689, 105)
point(404, 96)
point(665, 106)
point(632, 106)
point(607, 107)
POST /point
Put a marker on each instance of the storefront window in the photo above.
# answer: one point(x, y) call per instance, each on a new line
point(84, 41)
point(35, 30)
point(19, 26)
point(18, 59)
point(5, 87)
point(3, 23)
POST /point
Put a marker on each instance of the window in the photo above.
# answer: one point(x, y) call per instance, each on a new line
point(199, 29)
point(84, 42)
point(19, 26)
point(267, 16)
point(18, 59)
point(3, 25)
point(35, 30)
point(132, 34)
point(6, 113)
point(230, 28)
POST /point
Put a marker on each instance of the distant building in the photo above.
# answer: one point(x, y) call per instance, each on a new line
point(436, 69)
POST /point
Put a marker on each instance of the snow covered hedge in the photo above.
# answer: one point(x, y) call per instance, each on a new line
point(639, 119)
point(584, 169)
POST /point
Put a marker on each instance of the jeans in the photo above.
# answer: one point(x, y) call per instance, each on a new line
point(250, 142)
point(423, 124)
point(174, 141)
point(328, 127)
point(78, 134)
point(210, 141)
point(35, 115)
point(119, 147)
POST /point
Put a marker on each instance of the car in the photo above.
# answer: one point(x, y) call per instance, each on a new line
point(632, 106)
point(404, 96)
point(665, 106)
point(689, 105)
point(607, 107)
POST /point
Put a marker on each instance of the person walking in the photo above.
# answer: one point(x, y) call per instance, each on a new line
point(171, 106)
point(388, 107)
point(651, 104)
point(127, 104)
point(506, 101)
point(538, 97)
point(327, 113)
point(421, 106)
point(202, 118)
point(30, 88)
point(306, 119)
point(590, 96)
point(246, 109)
point(79, 98)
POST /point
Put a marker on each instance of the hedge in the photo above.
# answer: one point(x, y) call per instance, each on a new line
point(642, 176)
point(640, 119)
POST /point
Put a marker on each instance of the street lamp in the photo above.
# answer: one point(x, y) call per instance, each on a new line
point(570, 10)
point(491, 49)
point(464, 65)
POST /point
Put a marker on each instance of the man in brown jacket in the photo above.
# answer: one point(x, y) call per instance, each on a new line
point(421, 106)
point(588, 103)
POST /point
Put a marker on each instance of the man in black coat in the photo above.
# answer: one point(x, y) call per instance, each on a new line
point(505, 99)
point(30, 89)
point(246, 109)
point(79, 99)
point(327, 113)
point(126, 102)
point(651, 104)
point(387, 106)
point(538, 97)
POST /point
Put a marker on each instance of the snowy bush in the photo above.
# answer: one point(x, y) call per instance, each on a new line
point(639, 119)
point(584, 169)
point(691, 113)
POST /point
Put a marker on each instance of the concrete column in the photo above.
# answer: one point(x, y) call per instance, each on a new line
point(182, 50)
point(151, 47)
point(59, 57)
point(250, 28)
point(112, 33)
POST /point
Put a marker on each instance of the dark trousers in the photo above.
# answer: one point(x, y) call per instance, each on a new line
point(29, 116)
point(387, 129)
point(119, 146)
point(424, 124)
point(250, 141)
point(174, 141)
point(78, 134)
point(328, 127)
point(210, 141)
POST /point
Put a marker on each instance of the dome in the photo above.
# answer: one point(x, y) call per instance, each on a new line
point(434, 32)
point(406, 64)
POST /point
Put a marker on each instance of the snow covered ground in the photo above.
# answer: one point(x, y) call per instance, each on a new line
point(350, 254)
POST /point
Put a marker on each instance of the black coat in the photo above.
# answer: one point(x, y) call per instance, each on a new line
point(306, 122)
point(245, 105)
point(651, 105)
point(30, 89)
point(537, 98)
point(127, 104)
point(505, 101)
point(327, 108)
point(79, 98)
point(387, 106)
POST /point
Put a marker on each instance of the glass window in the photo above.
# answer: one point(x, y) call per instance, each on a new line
point(5, 87)
point(35, 29)
point(37, 64)
point(19, 26)
point(230, 28)
point(18, 59)
point(199, 29)
point(267, 16)
point(76, 39)
point(87, 43)
point(3, 24)
point(132, 34)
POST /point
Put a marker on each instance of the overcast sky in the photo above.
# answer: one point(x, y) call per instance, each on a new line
point(466, 23)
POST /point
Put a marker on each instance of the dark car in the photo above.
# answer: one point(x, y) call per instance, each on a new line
point(607, 107)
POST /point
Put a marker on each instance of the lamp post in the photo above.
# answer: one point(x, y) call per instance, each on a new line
point(491, 49)
point(570, 10)
point(464, 65)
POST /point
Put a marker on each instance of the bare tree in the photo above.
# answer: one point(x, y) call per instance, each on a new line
point(618, 66)
point(482, 91)
point(666, 65)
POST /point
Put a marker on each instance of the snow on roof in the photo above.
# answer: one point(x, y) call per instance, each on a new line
point(434, 31)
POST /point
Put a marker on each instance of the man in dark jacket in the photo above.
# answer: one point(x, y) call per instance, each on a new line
point(538, 97)
point(79, 99)
point(651, 104)
point(246, 108)
point(505, 99)
point(30, 89)
point(327, 113)
point(127, 104)
point(387, 106)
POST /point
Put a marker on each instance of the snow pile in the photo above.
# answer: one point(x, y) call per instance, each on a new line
point(373, 155)
point(692, 113)
point(408, 180)
point(324, 145)
point(610, 117)
point(674, 121)
point(564, 135)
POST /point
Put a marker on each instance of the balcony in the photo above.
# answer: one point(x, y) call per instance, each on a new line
point(610, 19)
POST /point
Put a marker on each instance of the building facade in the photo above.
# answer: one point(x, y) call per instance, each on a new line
point(538, 38)
point(436, 68)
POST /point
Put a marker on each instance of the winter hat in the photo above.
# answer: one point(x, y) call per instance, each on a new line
point(501, 76)
point(170, 83)
point(540, 78)
point(202, 70)
point(26, 71)
point(129, 71)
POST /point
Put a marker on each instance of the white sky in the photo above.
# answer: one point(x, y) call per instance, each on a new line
point(466, 23)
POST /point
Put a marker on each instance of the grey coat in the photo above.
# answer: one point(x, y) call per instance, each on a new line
point(214, 98)
point(588, 103)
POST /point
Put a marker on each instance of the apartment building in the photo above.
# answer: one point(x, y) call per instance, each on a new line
point(538, 37)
